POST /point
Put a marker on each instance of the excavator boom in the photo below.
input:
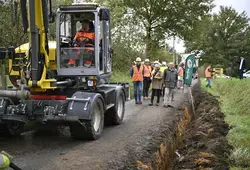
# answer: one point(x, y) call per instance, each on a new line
point(35, 21)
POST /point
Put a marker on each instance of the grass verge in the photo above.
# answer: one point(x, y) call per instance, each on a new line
point(234, 97)
point(123, 77)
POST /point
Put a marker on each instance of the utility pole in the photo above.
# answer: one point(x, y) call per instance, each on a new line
point(174, 49)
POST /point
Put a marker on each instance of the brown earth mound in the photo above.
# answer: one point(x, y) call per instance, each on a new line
point(205, 145)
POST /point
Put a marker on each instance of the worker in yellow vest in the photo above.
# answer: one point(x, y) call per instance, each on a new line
point(136, 72)
point(208, 75)
point(163, 66)
point(162, 69)
point(147, 74)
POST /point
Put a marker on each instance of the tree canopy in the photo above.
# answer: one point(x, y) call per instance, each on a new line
point(162, 18)
point(222, 37)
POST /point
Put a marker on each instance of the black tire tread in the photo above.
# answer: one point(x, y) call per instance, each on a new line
point(79, 131)
point(86, 131)
point(111, 117)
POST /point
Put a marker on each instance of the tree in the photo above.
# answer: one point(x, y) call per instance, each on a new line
point(11, 35)
point(222, 37)
point(160, 17)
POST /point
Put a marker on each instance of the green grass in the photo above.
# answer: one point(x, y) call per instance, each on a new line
point(234, 96)
point(122, 77)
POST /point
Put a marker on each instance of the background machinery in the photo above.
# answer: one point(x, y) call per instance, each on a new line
point(48, 89)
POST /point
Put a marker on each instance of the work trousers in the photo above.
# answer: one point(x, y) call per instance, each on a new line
point(169, 96)
point(241, 74)
point(156, 92)
point(146, 85)
point(180, 84)
point(138, 90)
point(208, 82)
point(163, 91)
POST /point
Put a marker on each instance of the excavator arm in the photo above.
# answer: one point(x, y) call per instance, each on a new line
point(35, 18)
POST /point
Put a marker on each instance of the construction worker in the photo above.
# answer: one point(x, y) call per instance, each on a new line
point(4, 162)
point(157, 76)
point(163, 68)
point(84, 38)
point(147, 70)
point(180, 75)
point(137, 77)
point(208, 75)
point(170, 79)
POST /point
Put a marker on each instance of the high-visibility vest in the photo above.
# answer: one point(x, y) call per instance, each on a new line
point(147, 71)
point(82, 35)
point(4, 162)
point(207, 73)
point(163, 68)
point(137, 74)
point(181, 72)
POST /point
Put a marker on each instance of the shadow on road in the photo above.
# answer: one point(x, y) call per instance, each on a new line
point(39, 141)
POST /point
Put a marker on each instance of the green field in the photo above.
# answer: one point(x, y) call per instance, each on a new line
point(234, 98)
point(122, 77)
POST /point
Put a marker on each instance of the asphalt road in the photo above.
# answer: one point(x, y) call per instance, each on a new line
point(58, 151)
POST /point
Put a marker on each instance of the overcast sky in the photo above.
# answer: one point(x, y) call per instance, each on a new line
point(238, 5)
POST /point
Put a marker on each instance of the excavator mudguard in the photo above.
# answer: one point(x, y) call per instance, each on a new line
point(81, 104)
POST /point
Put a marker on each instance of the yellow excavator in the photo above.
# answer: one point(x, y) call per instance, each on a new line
point(49, 90)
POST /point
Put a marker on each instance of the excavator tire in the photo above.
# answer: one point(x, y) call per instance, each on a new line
point(114, 116)
point(11, 128)
point(90, 129)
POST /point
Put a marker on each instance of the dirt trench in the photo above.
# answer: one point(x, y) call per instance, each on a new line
point(204, 144)
point(195, 140)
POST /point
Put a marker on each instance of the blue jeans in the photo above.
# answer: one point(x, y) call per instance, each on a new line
point(138, 90)
point(208, 82)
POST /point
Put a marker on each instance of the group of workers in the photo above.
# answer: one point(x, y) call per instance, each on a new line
point(164, 80)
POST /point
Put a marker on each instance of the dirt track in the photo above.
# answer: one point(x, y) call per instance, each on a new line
point(118, 148)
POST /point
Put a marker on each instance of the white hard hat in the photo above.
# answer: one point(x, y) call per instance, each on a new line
point(164, 63)
point(138, 59)
point(147, 60)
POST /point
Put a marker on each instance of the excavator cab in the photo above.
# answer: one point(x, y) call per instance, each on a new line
point(80, 51)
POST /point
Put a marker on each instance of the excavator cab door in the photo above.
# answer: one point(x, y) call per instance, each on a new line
point(86, 57)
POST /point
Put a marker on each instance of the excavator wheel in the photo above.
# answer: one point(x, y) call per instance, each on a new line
point(114, 116)
point(11, 128)
point(90, 129)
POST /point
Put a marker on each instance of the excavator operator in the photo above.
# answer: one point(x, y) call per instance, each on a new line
point(84, 38)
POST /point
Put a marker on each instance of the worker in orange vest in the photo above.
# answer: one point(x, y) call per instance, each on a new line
point(147, 73)
point(208, 75)
point(180, 75)
point(84, 38)
point(136, 73)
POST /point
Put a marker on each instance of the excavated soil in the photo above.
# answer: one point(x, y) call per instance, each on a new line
point(204, 143)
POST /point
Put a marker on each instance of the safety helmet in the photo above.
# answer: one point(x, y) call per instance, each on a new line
point(4, 161)
point(147, 61)
point(164, 63)
point(138, 59)
point(156, 62)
